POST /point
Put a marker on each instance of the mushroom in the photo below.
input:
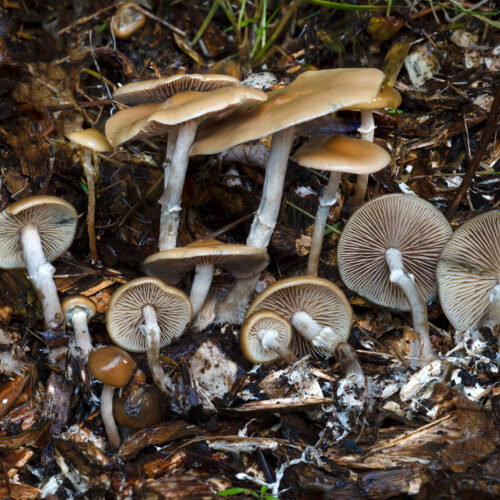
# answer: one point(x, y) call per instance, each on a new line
point(387, 97)
point(468, 274)
point(312, 95)
point(202, 256)
point(34, 232)
point(144, 315)
point(388, 253)
point(127, 20)
point(91, 141)
point(338, 154)
point(113, 367)
point(266, 336)
point(180, 114)
point(140, 408)
point(77, 311)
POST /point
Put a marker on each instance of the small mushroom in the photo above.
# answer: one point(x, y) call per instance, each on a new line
point(144, 315)
point(127, 20)
point(203, 256)
point(91, 141)
point(77, 311)
point(140, 408)
point(266, 336)
point(337, 155)
point(468, 273)
point(388, 253)
point(34, 232)
point(113, 367)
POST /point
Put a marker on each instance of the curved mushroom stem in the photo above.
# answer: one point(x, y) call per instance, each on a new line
point(401, 277)
point(108, 417)
point(270, 340)
point(90, 175)
point(151, 331)
point(326, 201)
point(171, 198)
point(40, 274)
point(83, 341)
point(203, 275)
point(232, 307)
point(349, 364)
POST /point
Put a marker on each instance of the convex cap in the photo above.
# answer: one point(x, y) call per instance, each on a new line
point(74, 302)
point(111, 365)
point(405, 222)
point(54, 218)
point(387, 97)
point(468, 272)
point(91, 138)
point(127, 20)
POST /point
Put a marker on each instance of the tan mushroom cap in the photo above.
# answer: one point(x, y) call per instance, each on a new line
point(156, 119)
point(468, 270)
point(402, 221)
point(111, 365)
point(321, 299)
point(54, 218)
point(250, 344)
point(127, 20)
point(161, 89)
point(343, 154)
point(124, 316)
point(73, 302)
point(311, 95)
point(91, 138)
point(387, 97)
point(240, 260)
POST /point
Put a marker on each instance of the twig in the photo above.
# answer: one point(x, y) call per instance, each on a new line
point(83, 20)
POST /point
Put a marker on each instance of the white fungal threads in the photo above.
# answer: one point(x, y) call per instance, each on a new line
point(323, 337)
point(269, 339)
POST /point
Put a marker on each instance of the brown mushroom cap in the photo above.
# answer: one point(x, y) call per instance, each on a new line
point(150, 120)
point(73, 302)
point(250, 344)
point(127, 20)
point(125, 317)
point(343, 154)
point(240, 260)
point(111, 365)
point(321, 299)
point(91, 138)
point(139, 409)
point(402, 221)
point(387, 97)
point(54, 218)
point(468, 270)
point(311, 95)
point(161, 89)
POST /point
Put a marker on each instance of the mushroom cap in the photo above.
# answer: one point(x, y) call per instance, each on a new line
point(54, 218)
point(343, 154)
point(241, 261)
point(402, 221)
point(321, 299)
point(91, 138)
point(156, 119)
point(124, 316)
point(250, 344)
point(387, 97)
point(311, 95)
point(468, 270)
point(111, 365)
point(73, 302)
point(127, 20)
point(159, 90)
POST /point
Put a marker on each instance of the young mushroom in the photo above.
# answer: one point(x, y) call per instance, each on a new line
point(338, 154)
point(127, 20)
point(113, 367)
point(34, 232)
point(468, 274)
point(91, 141)
point(266, 336)
point(77, 311)
point(203, 256)
point(144, 315)
point(388, 253)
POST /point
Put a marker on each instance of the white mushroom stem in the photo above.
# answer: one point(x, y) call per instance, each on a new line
point(83, 341)
point(326, 201)
point(349, 364)
point(171, 140)
point(269, 339)
point(90, 175)
point(401, 277)
point(40, 273)
point(108, 417)
point(151, 331)
point(203, 275)
point(323, 337)
point(172, 196)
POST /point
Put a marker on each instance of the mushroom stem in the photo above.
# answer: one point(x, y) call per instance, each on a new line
point(401, 277)
point(90, 175)
point(171, 141)
point(83, 341)
point(349, 364)
point(270, 340)
point(151, 331)
point(172, 196)
point(326, 201)
point(201, 285)
point(108, 417)
point(40, 273)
